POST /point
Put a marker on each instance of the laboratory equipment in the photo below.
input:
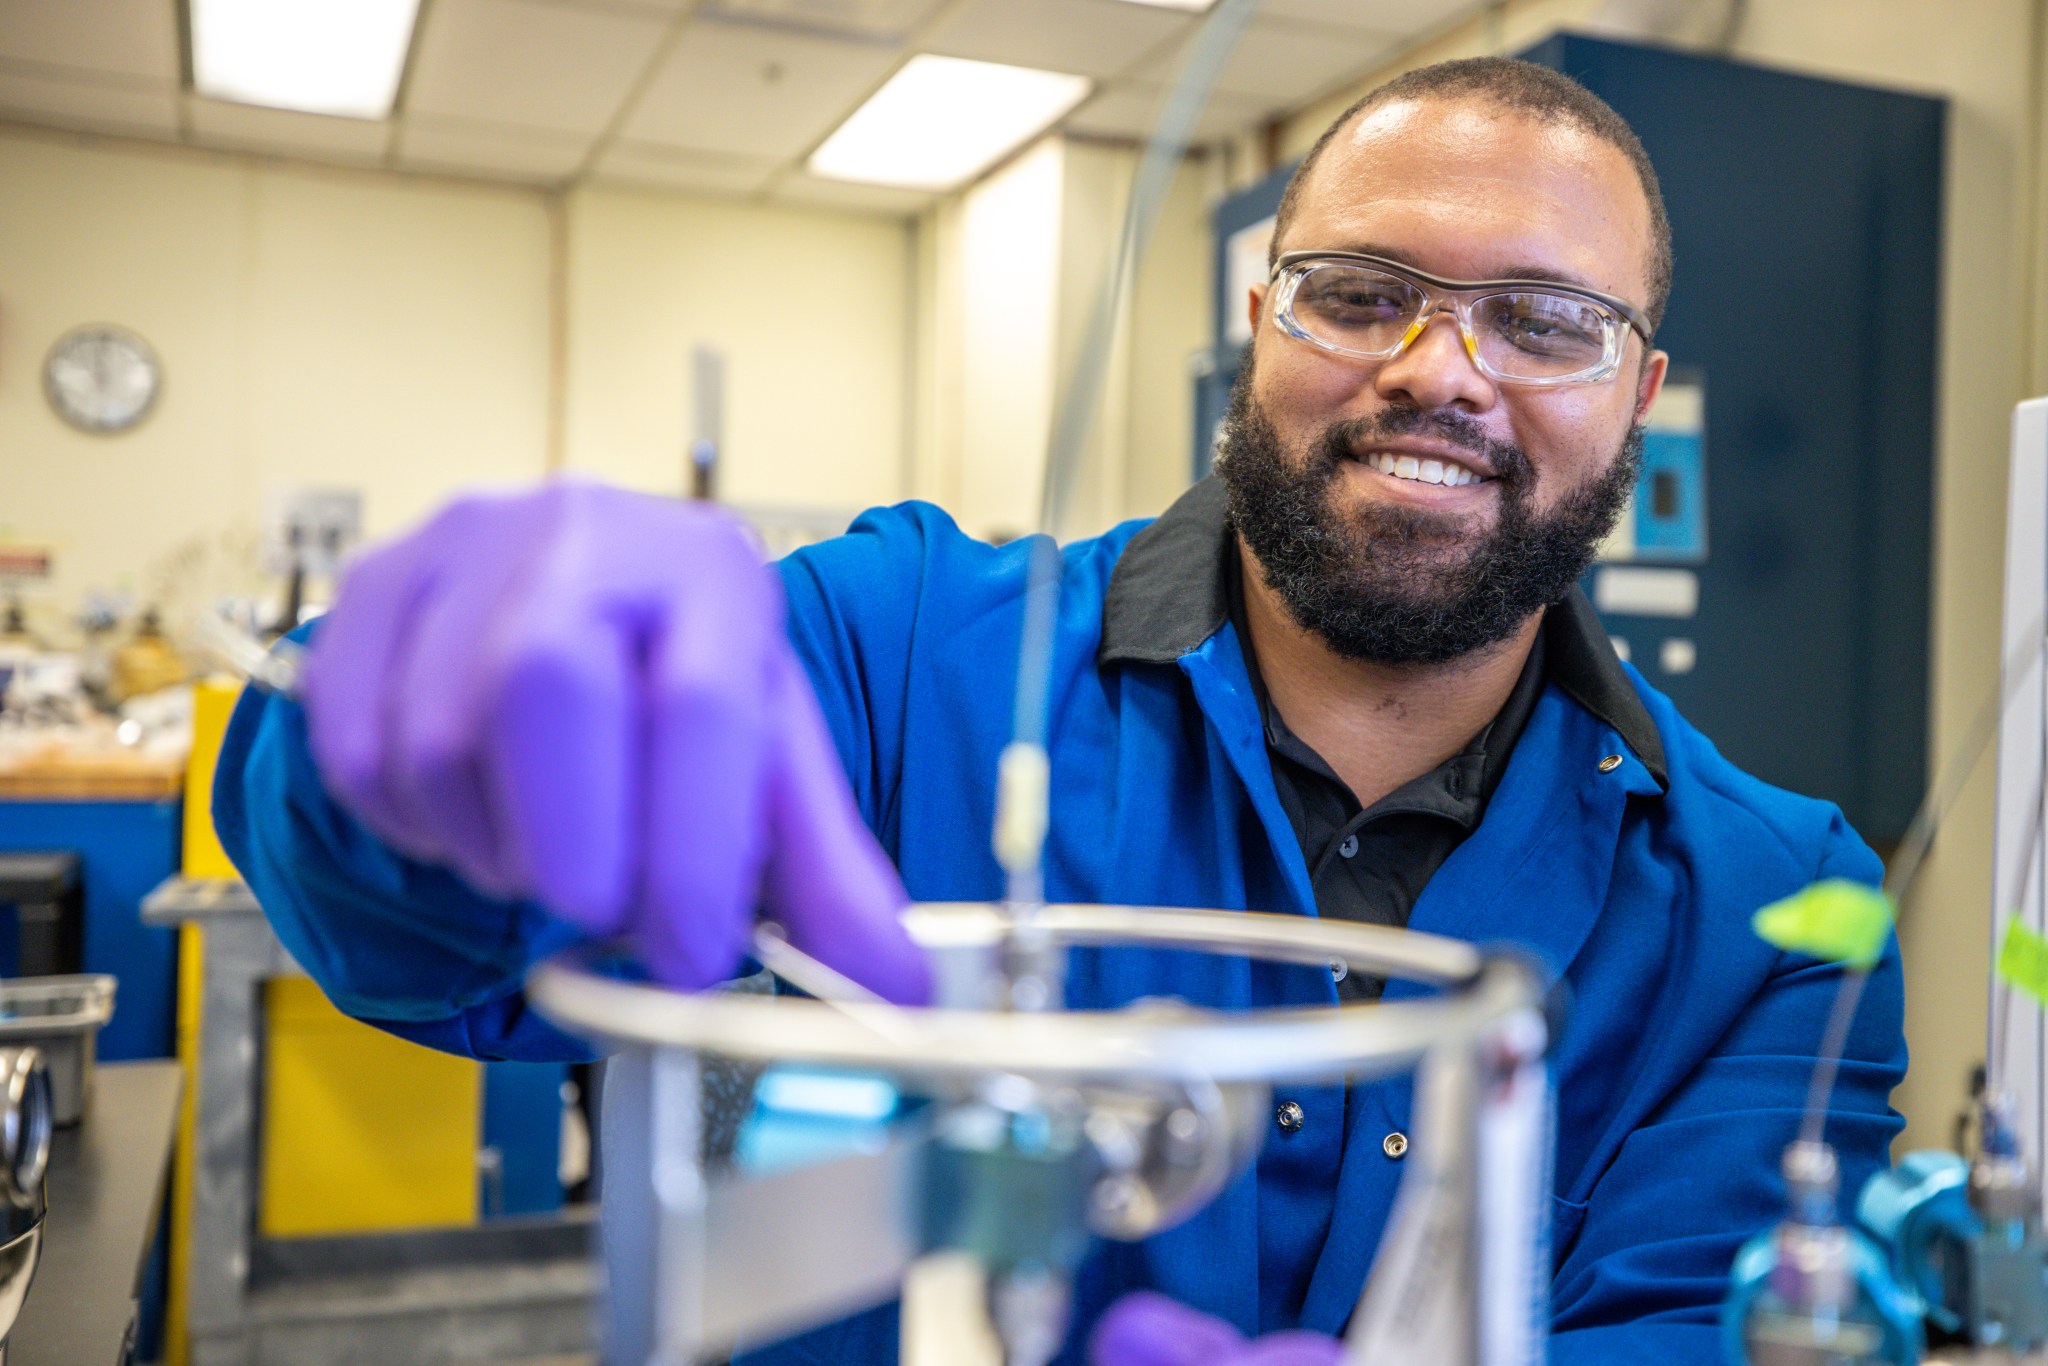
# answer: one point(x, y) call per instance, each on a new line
point(707, 420)
point(1814, 1291)
point(1958, 1239)
point(60, 1018)
point(1964, 1233)
point(1965, 1239)
point(1047, 1129)
point(25, 1122)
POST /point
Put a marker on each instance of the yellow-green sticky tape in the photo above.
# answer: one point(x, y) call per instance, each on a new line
point(2023, 960)
point(1837, 919)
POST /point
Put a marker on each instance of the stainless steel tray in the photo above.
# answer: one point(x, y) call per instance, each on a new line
point(62, 1016)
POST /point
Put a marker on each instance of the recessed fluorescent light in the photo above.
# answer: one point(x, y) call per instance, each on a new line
point(1192, 6)
point(940, 120)
point(318, 56)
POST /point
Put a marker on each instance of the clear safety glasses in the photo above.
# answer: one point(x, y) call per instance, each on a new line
point(1527, 332)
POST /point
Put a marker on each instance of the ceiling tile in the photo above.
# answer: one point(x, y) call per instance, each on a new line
point(35, 94)
point(854, 18)
point(755, 91)
point(499, 152)
point(664, 168)
point(811, 191)
point(248, 127)
point(1131, 110)
point(1088, 37)
point(1405, 19)
point(1276, 60)
point(128, 37)
point(524, 62)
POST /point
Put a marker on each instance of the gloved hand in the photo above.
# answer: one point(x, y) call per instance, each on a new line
point(584, 697)
point(1144, 1329)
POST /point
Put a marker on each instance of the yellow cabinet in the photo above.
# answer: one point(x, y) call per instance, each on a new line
point(361, 1130)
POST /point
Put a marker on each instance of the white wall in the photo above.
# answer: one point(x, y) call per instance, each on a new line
point(1010, 272)
point(1984, 56)
point(413, 336)
point(322, 327)
point(813, 311)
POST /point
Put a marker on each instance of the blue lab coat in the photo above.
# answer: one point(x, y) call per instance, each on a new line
point(1680, 1074)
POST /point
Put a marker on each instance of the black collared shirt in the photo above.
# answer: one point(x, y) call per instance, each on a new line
point(1175, 586)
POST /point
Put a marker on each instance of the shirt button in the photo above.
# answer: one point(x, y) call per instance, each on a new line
point(1349, 848)
point(1395, 1145)
point(1610, 763)
point(1339, 969)
point(1288, 1117)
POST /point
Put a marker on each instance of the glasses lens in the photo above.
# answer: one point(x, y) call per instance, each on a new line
point(1534, 335)
point(1354, 308)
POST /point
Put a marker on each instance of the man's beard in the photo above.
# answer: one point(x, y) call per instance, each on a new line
point(1406, 585)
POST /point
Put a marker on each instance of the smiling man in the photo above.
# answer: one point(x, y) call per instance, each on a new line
point(1349, 677)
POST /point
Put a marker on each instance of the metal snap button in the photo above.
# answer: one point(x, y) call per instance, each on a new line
point(1610, 763)
point(1395, 1145)
point(1288, 1117)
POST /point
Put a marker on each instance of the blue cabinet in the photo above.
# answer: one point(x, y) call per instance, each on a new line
point(125, 848)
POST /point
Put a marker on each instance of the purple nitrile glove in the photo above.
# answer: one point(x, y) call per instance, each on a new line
point(1145, 1329)
point(584, 697)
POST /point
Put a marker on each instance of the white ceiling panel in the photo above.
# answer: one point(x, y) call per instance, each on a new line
point(1407, 18)
point(631, 163)
point(1287, 62)
point(219, 123)
point(1099, 38)
point(816, 192)
point(559, 67)
point(756, 91)
point(856, 18)
point(1131, 110)
point(128, 37)
point(32, 94)
point(479, 149)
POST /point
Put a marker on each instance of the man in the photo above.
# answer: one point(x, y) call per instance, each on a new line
point(1352, 677)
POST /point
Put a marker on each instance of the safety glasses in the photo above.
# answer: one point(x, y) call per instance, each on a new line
point(1527, 332)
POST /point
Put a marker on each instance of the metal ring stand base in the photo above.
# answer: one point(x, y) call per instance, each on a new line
point(1049, 1128)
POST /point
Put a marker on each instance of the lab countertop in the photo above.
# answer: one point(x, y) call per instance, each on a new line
point(107, 1183)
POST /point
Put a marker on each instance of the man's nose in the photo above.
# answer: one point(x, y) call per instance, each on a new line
point(1434, 370)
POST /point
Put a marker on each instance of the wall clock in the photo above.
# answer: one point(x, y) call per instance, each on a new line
point(101, 378)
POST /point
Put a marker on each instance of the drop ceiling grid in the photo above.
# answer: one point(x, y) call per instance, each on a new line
point(526, 64)
point(31, 92)
point(748, 90)
point(1096, 38)
point(135, 38)
point(677, 92)
point(1282, 61)
point(881, 19)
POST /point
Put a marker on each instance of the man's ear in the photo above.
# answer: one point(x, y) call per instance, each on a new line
point(1651, 384)
point(1255, 298)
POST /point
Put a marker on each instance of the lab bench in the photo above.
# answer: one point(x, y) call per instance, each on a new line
point(106, 1188)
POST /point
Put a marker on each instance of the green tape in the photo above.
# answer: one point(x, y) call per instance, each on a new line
point(2023, 960)
point(1839, 920)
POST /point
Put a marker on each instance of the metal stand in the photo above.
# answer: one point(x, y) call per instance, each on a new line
point(1051, 1128)
point(481, 1293)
